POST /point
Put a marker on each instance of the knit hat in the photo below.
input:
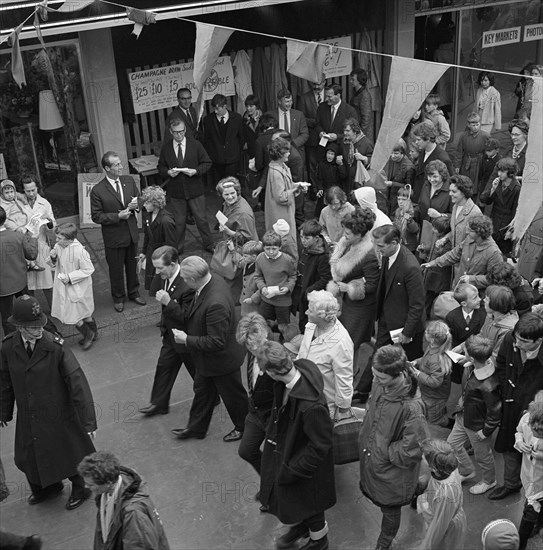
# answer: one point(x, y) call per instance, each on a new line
point(27, 313)
point(6, 183)
point(366, 197)
point(500, 534)
point(281, 227)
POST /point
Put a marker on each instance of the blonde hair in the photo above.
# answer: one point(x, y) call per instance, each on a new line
point(440, 336)
point(325, 303)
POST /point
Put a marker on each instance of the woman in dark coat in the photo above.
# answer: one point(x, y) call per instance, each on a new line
point(506, 274)
point(393, 429)
point(355, 274)
point(159, 228)
point(297, 476)
point(134, 521)
point(434, 198)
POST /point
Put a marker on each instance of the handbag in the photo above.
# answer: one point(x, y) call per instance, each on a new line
point(346, 436)
point(223, 261)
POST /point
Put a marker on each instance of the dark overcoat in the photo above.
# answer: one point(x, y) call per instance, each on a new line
point(55, 409)
point(297, 476)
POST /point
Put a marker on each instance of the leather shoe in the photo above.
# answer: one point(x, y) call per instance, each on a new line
point(501, 492)
point(151, 410)
point(185, 433)
point(46, 494)
point(138, 300)
point(234, 435)
point(119, 307)
point(76, 502)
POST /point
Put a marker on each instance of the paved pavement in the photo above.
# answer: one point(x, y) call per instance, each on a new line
point(204, 492)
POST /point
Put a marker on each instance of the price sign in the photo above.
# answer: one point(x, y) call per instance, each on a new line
point(338, 62)
point(154, 89)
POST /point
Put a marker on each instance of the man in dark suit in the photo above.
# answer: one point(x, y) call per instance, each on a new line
point(292, 121)
point(175, 296)
point(224, 136)
point(424, 135)
point(331, 116)
point(469, 317)
point(114, 202)
point(309, 102)
point(15, 249)
point(186, 112)
point(183, 161)
point(210, 339)
point(400, 300)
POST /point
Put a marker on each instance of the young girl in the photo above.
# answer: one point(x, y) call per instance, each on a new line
point(488, 102)
point(441, 504)
point(328, 175)
point(434, 373)
point(406, 219)
point(250, 295)
point(73, 300)
point(529, 442)
point(470, 149)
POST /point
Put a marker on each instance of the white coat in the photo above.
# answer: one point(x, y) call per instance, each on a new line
point(42, 279)
point(74, 301)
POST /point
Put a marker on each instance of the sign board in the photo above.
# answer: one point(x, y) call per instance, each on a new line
point(85, 183)
point(153, 89)
point(3, 171)
point(533, 32)
point(338, 62)
point(501, 37)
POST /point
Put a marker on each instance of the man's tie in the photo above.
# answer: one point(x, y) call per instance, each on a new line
point(118, 188)
point(29, 350)
point(189, 116)
point(179, 154)
point(319, 100)
point(332, 114)
point(468, 319)
point(285, 122)
point(222, 120)
point(250, 370)
point(166, 284)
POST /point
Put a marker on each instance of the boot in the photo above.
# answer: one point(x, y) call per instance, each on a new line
point(526, 527)
point(88, 336)
point(92, 325)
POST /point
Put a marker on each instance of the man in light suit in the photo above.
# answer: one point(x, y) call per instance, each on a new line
point(400, 300)
point(182, 163)
point(175, 296)
point(331, 116)
point(210, 339)
point(186, 112)
point(292, 121)
point(114, 203)
point(309, 102)
point(224, 137)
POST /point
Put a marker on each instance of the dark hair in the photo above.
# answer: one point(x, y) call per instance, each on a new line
point(488, 75)
point(183, 90)
point(311, 228)
point(335, 192)
point(30, 178)
point(67, 230)
point(509, 165)
point(273, 357)
point(432, 99)
point(530, 326)
point(3, 216)
point(271, 238)
point(361, 76)
point(437, 166)
point(283, 135)
point(482, 225)
point(354, 124)
point(463, 184)
point(267, 121)
point(391, 360)
point(218, 100)
point(479, 347)
point(491, 144)
point(106, 158)
point(360, 222)
point(442, 224)
point(284, 93)
point(388, 233)
point(252, 100)
point(277, 148)
point(500, 298)
point(425, 130)
point(168, 254)
point(102, 467)
point(520, 124)
point(336, 88)
point(504, 274)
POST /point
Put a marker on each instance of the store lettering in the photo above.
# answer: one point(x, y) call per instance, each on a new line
point(537, 31)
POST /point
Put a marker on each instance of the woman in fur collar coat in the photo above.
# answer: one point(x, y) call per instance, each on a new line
point(355, 274)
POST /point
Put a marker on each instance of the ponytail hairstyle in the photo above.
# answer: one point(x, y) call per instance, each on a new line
point(440, 335)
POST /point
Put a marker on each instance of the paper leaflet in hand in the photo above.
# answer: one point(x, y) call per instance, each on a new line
point(221, 218)
point(395, 335)
point(455, 357)
point(273, 291)
point(35, 223)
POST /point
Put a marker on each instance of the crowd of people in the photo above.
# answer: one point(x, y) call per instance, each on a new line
point(420, 268)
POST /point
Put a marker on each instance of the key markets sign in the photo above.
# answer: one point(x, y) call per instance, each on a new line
point(512, 35)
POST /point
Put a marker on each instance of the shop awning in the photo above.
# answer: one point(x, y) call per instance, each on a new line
point(104, 15)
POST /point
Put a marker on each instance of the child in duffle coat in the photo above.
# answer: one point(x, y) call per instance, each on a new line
point(250, 295)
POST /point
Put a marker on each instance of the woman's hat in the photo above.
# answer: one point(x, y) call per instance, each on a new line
point(281, 227)
point(27, 313)
point(6, 183)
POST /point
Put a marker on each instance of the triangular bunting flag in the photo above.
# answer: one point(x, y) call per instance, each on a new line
point(306, 60)
point(73, 5)
point(17, 67)
point(140, 18)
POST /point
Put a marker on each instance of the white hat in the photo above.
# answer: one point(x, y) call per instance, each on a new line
point(281, 227)
point(500, 534)
point(366, 197)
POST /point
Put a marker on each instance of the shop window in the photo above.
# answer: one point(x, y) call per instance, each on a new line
point(44, 130)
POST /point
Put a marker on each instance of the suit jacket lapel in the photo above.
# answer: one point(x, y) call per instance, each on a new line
point(114, 193)
point(392, 270)
point(198, 300)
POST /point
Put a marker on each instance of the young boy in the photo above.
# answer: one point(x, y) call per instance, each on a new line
point(435, 114)
point(400, 172)
point(250, 295)
point(503, 193)
point(478, 414)
point(313, 267)
point(491, 156)
point(275, 277)
point(282, 228)
point(328, 175)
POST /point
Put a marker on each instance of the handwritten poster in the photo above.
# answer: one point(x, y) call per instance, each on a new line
point(338, 62)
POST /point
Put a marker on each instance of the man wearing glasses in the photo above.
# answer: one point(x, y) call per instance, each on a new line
point(183, 161)
point(186, 112)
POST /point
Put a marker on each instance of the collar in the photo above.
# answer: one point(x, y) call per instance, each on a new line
point(180, 144)
point(112, 182)
point(485, 372)
point(226, 116)
point(428, 153)
point(392, 258)
point(465, 313)
point(199, 289)
point(174, 276)
point(336, 106)
point(25, 341)
point(279, 254)
point(292, 383)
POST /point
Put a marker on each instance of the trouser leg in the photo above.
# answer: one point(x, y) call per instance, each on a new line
point(197, 206)
point(234, 396)
point(253, 436)
point(115, 263)
point(390, 525)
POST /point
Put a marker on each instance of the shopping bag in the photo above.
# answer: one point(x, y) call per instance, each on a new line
point(346, 436)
